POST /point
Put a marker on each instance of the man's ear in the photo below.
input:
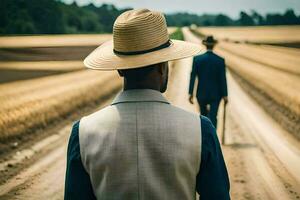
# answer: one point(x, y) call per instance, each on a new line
point(120, 72)
point(161, 68)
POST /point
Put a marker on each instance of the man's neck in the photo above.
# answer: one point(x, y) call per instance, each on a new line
point(128, 86)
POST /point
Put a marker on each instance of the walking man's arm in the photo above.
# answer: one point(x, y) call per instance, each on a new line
point(192, 81)
point(77, 183)
point(212, 180)
point(223, 82)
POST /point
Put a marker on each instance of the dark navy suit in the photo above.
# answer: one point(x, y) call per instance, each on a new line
point(209, 68)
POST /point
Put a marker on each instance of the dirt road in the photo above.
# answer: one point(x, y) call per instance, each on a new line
point(45, 178)
point(262, 160)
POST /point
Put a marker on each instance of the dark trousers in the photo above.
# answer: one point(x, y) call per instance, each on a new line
point(210, 110)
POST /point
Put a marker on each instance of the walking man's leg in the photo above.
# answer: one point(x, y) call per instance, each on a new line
point(203, 108)
point(213, 112)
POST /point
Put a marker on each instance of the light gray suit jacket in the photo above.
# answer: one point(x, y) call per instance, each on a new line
point(141, 147)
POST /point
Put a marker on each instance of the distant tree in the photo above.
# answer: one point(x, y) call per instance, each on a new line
point(207, 20)
point(46, 15)
point(54, 16)
point(245, 19)
point(223, 20)
point(4, 8)
point(257, 18)
point(290, 17)
point(72, 15)
point(22, 23)
point(274, 19)
point(15, 18)
point(207, 23)
point(186, 19)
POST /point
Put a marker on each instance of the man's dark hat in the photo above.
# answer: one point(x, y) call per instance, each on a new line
point(209, 40)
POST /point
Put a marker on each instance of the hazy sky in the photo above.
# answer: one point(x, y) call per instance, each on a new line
point(229, 7)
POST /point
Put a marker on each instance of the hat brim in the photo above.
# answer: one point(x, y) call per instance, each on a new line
point(209, 43)
point(103, 57)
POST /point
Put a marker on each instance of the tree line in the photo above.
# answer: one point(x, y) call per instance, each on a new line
point(56, 17)
point(245, 19)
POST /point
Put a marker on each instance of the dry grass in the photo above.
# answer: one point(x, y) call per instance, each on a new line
point(264, 34)
point(282, 59)
point(53, 40)
point(63, 66)
point(282, 87)
point(285, 50)
point(30, 104)
point(57, 40)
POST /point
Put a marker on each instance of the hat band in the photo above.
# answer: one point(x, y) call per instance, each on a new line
point(165, 45)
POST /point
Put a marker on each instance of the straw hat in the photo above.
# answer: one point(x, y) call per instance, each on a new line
point(209, 40)
point(140, 38)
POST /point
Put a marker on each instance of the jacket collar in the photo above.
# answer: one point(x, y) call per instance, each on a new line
point(139, 95)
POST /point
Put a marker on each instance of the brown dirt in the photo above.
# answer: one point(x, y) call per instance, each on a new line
point(39, 54)
point(240, 153)
point(288, 120)
point(252, 168)
point(243, 186)
point(293, 70)
point(12, 145)
point(249, 180)
point(45, 53)
point(9, 75)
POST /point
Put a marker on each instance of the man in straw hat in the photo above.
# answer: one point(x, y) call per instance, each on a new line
point(140, 146)
point(209, 68)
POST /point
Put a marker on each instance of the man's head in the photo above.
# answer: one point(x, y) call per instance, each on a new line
point(210, 47)
point(149, 77)
point(209, 42)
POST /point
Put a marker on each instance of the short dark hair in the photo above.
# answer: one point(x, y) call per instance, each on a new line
point(138, 73)
point(210, 46)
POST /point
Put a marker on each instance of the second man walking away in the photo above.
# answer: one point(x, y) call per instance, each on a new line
point(210, 70)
